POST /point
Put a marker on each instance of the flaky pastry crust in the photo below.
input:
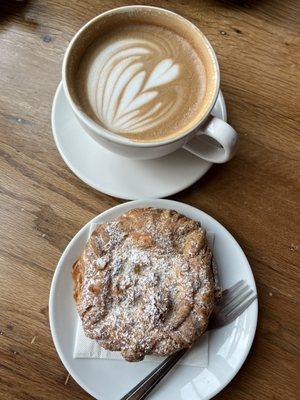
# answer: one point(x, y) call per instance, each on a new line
point(145, 284)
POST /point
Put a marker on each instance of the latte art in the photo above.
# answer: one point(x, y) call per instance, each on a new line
point(142, 81)
point(127, 99)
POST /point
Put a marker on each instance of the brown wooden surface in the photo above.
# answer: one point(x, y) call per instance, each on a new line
point(42, 204)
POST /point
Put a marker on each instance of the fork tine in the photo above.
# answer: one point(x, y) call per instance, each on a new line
point(232, 288)
point(240, 309)
point(232, 295)
point(228, 308)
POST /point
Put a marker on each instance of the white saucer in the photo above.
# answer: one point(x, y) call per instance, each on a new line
point(118, 176)
point(112, 379)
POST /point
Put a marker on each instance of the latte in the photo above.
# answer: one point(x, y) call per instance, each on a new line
point(143, 80)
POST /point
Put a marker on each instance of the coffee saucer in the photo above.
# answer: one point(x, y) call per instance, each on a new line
point(119, 176)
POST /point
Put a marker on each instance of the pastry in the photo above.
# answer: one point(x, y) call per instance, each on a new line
point(145, 283)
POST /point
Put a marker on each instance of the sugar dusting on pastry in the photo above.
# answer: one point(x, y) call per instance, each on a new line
point(144, 284)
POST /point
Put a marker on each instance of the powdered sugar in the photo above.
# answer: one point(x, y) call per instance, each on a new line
point(144, 283)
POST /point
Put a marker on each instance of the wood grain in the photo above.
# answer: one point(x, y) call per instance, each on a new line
point(256, 195)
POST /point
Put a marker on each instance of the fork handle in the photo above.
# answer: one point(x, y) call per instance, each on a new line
point(143, 388)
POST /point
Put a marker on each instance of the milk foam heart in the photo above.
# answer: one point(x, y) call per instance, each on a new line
point(141, 81)
point(122, 95)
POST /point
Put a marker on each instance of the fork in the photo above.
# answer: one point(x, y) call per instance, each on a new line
point(233, 302)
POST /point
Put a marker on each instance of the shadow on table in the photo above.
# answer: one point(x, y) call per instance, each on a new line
point(11, 8)
point(209, 177)
point(240, 3)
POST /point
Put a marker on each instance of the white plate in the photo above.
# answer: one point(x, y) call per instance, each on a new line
point(119, 176)
point(111, 379)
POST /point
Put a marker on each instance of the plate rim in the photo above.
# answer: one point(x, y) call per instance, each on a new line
point(139, 204)
point(59, 92)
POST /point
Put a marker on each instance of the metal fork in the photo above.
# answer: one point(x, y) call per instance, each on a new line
point(233, 302)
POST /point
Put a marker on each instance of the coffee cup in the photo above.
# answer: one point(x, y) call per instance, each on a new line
point(142, 81)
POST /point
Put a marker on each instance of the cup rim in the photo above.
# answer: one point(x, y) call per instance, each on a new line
point(111, 136)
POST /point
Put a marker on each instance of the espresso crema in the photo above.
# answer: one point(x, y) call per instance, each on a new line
point(141, 81)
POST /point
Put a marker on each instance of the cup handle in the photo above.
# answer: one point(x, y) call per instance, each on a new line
point(216, 142)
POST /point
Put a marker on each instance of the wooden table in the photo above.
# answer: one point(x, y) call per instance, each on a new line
point(42, 204)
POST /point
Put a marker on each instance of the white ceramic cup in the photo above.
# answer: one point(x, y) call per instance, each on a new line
point(211, 138)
